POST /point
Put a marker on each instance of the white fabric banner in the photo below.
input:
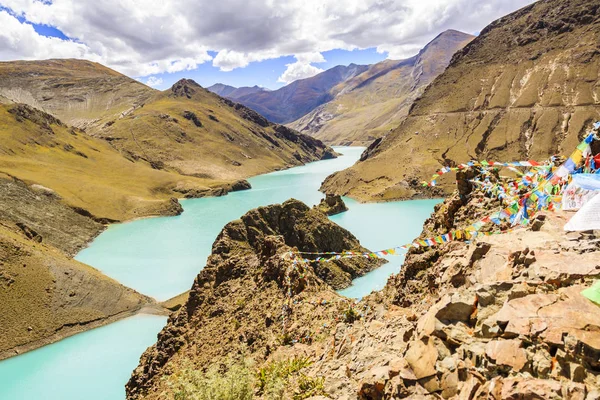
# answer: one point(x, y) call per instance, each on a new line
point(587, 218)
point(574, 196)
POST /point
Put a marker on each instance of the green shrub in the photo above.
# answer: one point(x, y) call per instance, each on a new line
point(233, 381)
point(272, 379)
point(350, 315)
point(308, 387)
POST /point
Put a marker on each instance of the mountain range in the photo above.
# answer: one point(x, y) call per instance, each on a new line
point(354, 104)
point(525, 88)
point(293, 101)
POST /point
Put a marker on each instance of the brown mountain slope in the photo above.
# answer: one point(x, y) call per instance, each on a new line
point(527, 87)
point(192, 131)
point(45, 295)
point(185, 129)
point(86, 172)
point(299, 97)
point(372, 103)
point(78, 92)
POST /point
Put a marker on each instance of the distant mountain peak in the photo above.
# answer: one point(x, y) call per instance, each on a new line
point(185, 88)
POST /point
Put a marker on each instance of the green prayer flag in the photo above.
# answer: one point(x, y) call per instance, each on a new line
point(593, 293)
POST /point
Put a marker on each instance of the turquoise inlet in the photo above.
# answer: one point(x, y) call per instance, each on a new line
point(160, 257)
point(94, 365)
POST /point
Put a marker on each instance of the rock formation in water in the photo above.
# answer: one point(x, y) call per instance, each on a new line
point(525, 88)
point(499, 318)
point(332, 205)
point(369, 105)
point(250, 298)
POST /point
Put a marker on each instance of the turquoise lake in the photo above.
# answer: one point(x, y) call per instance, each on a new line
point(94, 365)
point(160, 257)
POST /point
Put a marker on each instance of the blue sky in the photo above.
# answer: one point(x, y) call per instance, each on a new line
point(236, 42)
point(265, 73)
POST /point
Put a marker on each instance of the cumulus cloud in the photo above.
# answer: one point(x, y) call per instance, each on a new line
point(153, 81)
point(302, 68)
point(143, 38)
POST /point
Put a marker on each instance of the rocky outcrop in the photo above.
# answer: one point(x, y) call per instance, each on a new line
point(216, 191)
point(502, 317)
point(251, 297)
point(332, 205)
point(525, 88)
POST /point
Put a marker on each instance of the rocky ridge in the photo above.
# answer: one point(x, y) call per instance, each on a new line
point(250, 298)
point(499, 318)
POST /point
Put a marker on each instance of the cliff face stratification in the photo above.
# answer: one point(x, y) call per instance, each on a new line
point(248, 297)
point(525, 88)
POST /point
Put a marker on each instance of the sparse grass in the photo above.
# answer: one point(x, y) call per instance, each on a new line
point(273, 378)
point(233, 381)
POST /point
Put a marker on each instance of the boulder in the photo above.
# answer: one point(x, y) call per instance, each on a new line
point(507, 352)
point(421, 357)
point(458, 307)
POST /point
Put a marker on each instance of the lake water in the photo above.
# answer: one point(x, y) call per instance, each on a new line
point(160, 257)
point(94, 365)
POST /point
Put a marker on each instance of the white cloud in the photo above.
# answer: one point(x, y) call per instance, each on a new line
point(302, 68)
point(147, 37)
point(298, 70)
point(154, 81)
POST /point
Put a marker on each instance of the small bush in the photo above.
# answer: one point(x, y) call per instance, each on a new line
point(272, 379)
point(350, 315)
point(236, 382)
point(309, 387)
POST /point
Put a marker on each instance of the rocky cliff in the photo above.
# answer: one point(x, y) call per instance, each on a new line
point(250, 299)
point(499, 318)
point(525, 88)
point(374, 102)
